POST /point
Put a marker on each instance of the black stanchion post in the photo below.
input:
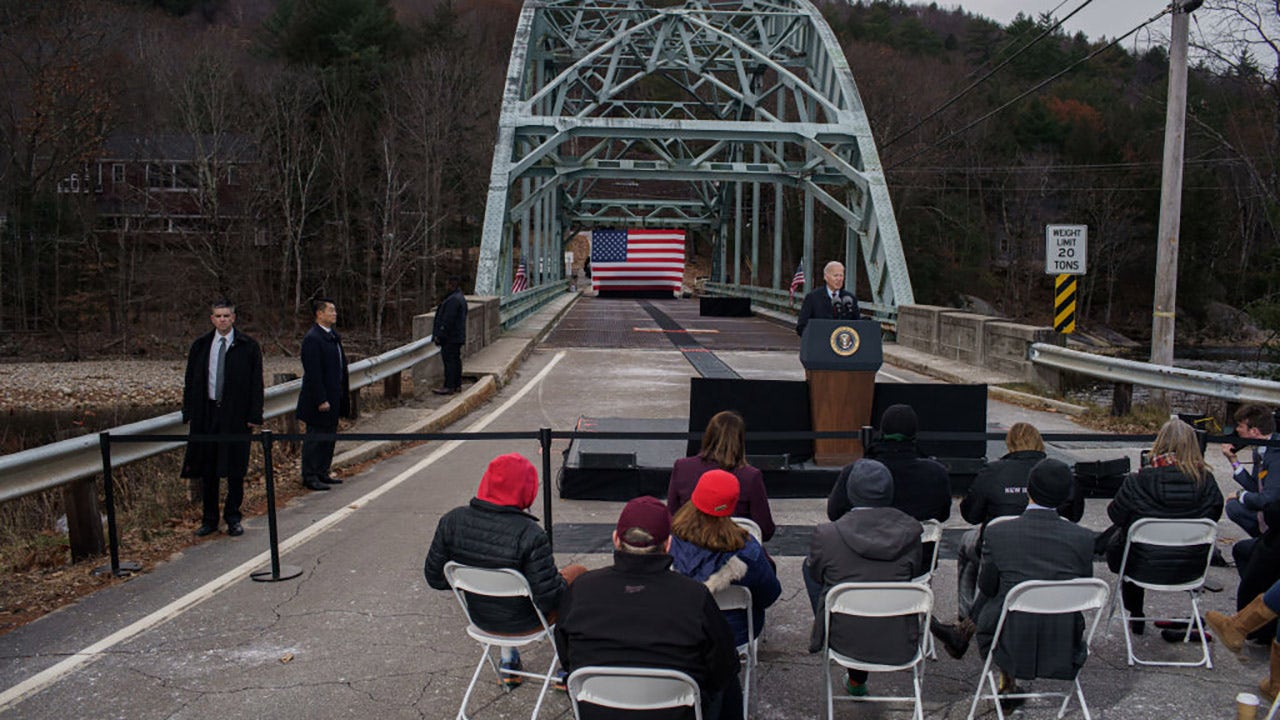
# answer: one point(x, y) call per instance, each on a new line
point(544, 438)
point(113, 537)
point(277, 572)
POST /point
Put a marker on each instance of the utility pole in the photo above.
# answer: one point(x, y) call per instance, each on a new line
point(1166, 293)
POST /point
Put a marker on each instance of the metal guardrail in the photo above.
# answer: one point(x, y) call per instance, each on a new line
point(514, 308)
point(56, 464)
point(1196, 382)
point(782, 301)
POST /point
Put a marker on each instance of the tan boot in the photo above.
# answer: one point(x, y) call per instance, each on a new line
point(1232, 629)
point(1271, 684)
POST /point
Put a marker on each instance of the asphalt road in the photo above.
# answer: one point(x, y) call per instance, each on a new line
point(360, 635)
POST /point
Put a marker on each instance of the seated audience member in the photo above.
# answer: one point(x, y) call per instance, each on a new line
point(1232, 630)
point(1039, 544)
point(1000, 489)
point(709, 547)
point(871, 542)
point(495, 531)
point(723, 448)
point(637, 613)
point(921, 485)
point(1250, 507)
point(1177, 484)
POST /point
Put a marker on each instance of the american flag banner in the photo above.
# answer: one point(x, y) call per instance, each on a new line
point(797, 280)
point(637, 259)
point(520, 282)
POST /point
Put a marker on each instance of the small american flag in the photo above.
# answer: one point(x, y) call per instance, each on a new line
point(637, 259)
point(521, 281)
point(797, 280)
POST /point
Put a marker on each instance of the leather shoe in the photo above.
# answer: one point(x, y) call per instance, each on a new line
point(235, 529)
point(954, 638)
point(312, 484)
point(332, 481)
point(204, 530)
point(442, 391)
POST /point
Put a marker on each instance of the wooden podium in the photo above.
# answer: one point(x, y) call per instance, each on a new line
point(840, 359)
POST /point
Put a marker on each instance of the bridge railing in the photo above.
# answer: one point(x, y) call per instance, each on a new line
point(514, 308)
point(783, 301)
point(57, 464)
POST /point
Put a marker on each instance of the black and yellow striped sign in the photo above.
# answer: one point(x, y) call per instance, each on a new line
point(1064, 304)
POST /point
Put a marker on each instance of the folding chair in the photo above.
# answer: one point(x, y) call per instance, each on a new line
point(752, 527)
point(931, 532)
point(737, 597)
point(498, 582)
point(1044, 597)
point(877, 600)
point(628, 688)
point(1168, 533)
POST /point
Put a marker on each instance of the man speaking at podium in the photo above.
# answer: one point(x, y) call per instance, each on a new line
point(831, 301)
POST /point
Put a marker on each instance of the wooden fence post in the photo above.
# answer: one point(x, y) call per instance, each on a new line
point(84, 520)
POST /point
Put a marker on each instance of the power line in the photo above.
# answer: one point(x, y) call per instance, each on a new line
point(1035, 88)
point(1066, 168)
point(955, 98)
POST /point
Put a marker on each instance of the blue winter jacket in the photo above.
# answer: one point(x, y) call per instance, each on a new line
point(700, 563)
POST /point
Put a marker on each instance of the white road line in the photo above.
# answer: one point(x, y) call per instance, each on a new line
point(892, 377)
point(51, 675)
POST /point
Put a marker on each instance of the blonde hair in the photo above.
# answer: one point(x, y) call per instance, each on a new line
point(1180, 439)
point(717, 534)
point(723, 442)
point(1023, 436)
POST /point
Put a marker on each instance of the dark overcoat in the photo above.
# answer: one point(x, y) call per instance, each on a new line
point(324, 379)
point(817, 304)
point(450, 326)
point(241, 406)
point(1037, 545)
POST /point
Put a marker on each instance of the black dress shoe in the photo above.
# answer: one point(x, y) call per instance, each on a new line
point(954, 638)
point(312, 484)
point(235, 529)
point(442, 391)
point(206, 530)
point(332, 481)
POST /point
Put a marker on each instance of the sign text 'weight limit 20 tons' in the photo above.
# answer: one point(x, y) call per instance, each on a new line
point(1065, 249)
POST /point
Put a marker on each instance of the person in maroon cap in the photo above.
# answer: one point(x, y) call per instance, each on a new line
point(495, 530)
point(708, 546)
point(637, 613)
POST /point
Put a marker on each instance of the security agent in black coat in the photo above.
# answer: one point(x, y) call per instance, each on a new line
point(1037, 545)
point(236, 412)
point(325, 393)
point(449, 331)
point(818, 303)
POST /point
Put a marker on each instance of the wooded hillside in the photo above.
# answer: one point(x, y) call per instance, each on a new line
point(371, 125)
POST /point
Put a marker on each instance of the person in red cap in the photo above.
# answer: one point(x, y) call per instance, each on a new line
point(637, 613)
point(495, 530)
point(710, 548)
point(723, 448)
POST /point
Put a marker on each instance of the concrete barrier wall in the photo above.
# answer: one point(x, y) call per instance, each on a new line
point(483, 327)
point(980, 340)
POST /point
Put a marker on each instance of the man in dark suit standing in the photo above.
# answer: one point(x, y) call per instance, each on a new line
point(324, 396)
point(221, 395)
point(449, 331)
point(1036, 545)
point(819, 302)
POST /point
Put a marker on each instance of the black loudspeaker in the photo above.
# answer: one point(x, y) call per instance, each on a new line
point(941, 408)
point(765, 405)
point(1101, 478)
point(724, 307)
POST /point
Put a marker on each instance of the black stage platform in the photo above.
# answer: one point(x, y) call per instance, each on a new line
point(625, 468)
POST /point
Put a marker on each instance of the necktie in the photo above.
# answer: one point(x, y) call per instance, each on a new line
point(221, 372)
point(1257, 466)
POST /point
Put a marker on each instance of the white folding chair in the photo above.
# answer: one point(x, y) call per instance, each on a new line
point(1044, 597)
point(737, 597)
point(931, 532)
point(1275, 705)
point(877, 600)
point(498, 583)
point(751, 526)
point(1162, 532)
point(629, 688)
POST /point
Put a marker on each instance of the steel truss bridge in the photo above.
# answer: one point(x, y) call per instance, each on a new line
point(694, 114)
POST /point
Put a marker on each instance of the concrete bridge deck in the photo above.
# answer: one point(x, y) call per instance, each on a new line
point(360, 635)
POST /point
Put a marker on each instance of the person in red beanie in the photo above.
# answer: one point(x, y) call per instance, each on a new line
point(495, 530)
point(637, 613)
point(723, 448)
point(710, 548)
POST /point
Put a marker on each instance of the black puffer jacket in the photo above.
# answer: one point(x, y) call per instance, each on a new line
point(483, 534)
point(1161, 492)
point(921, 485)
